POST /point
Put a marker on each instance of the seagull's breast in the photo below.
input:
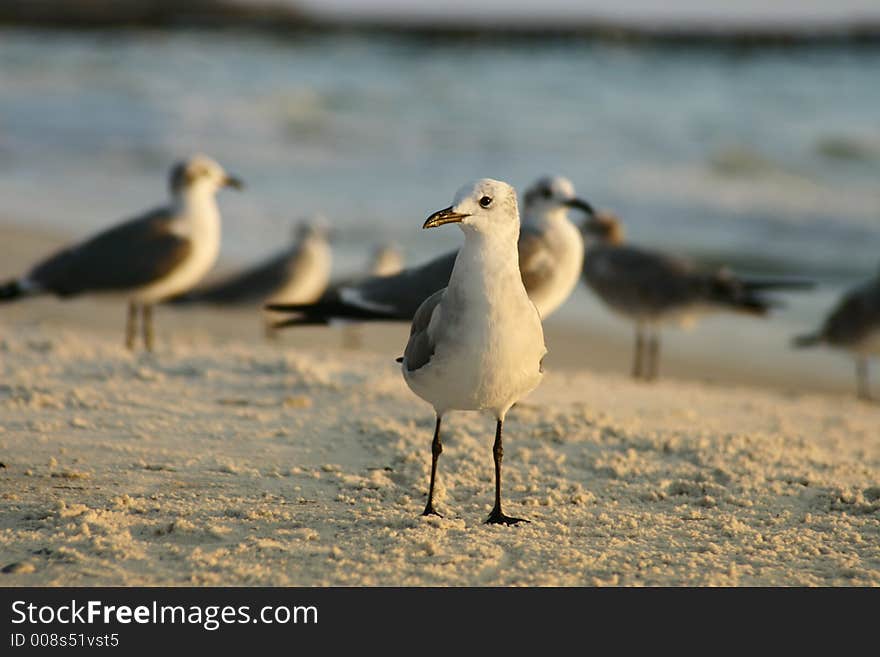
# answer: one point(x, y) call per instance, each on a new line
point(199, 224)
point(565, 251)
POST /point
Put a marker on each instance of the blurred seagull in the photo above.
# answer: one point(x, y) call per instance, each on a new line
point(854, 325)
point(387, 260)
point(653, 289)
point(478, 343)
point(146, 260)
point(299, 273)
point(551, 252)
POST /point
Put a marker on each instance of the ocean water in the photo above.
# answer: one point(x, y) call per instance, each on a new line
point(767, 159)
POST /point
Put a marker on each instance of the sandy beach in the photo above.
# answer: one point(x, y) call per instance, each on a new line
point(226, 460)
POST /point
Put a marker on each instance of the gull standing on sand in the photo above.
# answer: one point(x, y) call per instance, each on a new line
point(653, 289)
point(477, 344)
point(298, 274)
point(156, 256)
point(853, 325)
point(551, 253)
point(387, 260)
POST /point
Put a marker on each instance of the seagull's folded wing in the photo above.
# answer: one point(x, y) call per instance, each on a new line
point(127, 256)
point(420, 346)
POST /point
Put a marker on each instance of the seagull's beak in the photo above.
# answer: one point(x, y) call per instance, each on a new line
point(232, 181)
point(580, 204)
point(444, 216)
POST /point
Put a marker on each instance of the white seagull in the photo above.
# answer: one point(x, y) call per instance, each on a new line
point(853, 325)
point(477, 344)
point(156, 256)
point(387, 260)
point(300, 273)
point(551, 253)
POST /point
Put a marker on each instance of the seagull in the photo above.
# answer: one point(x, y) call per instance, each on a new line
point(153, 257)
point(551, 252)
point(477, 344)
point(387, 260)
point(854, 325)
point(653, 289)
point(299, 273)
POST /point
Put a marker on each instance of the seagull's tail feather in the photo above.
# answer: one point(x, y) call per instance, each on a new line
point(12, 290)
point(326, 311)
point(807, 340)
point(733, 295)
point(747, 295)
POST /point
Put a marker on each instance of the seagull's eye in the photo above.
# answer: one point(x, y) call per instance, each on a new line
point(546, 192)
point(485, 202)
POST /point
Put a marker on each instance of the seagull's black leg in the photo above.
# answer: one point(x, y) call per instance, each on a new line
point(862, 377)
point(436, 451)
point(653, 355)
point(639, 351)
point(131, 326)
point(147, 319)
point(497, 517)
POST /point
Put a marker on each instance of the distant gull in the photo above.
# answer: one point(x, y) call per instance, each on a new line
point(299, 273)
point(853, 325)
point(551, 252)
point(146, 260)
point(478, 343)
point(387, 260)
point(653, 289)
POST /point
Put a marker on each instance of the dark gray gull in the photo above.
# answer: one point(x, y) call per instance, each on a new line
point(853, 325)
point(653, 289)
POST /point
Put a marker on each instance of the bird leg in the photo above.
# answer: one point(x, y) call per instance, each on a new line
point(653, 356)
point(497, 517)
point(436, 451)
point(131, 326)
point(147, 319)
point(639, 351)
point(862, 378)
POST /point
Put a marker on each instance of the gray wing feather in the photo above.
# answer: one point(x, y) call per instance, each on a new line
point(420, 346)
point(131, 255)
point(641, 282)
point(404, 293)
point(255, 284)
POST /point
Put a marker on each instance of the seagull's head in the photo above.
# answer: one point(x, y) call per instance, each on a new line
point(200, 172)
point(315, 228)
point(553, 193)
point(603, 226)
point(484, 206)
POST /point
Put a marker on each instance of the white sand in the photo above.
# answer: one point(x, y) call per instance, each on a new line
point(223, 460)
